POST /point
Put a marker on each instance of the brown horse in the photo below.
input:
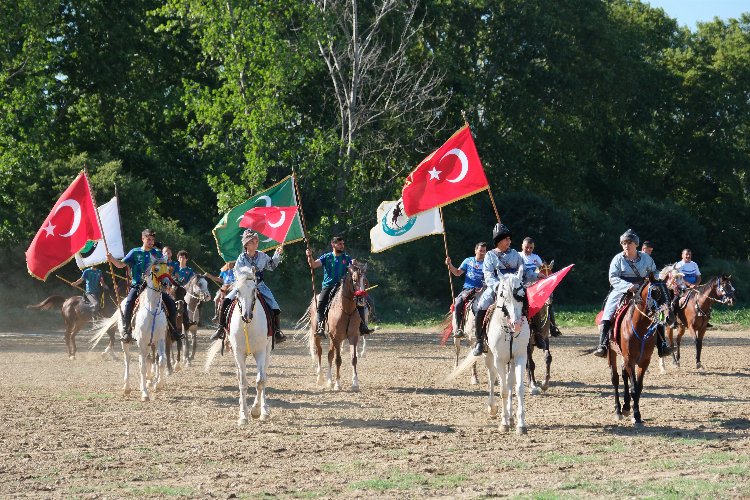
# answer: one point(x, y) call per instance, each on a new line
point(76, 313)
point(540, 326)
point(342, 324)
point(634, 341)
point(697, 311)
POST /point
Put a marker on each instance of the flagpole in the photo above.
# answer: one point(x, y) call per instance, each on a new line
point(70, 283)
point(104, 240)
point(304, 233)
point(445, 243)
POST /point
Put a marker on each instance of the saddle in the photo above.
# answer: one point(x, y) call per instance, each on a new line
point(266, 309)
point(683, 301)
point(614, 333)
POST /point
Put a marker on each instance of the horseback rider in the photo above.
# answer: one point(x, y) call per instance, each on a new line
point(252, 257)
point(691, 278)
point(181, 276)
point(474, 281)
point(531, 263)
point(138, 259)
point(499, 261)
point(226, 278)
point(335, 264)
point(94, 285)
point(627, 271)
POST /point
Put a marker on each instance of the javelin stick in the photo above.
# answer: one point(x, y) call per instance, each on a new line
point(70, 283)
point(304, 233)
point(206, 273)
point(106, 248)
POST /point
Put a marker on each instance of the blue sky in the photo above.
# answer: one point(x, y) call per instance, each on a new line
point(689, 12)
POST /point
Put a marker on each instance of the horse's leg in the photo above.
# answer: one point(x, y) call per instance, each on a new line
point(353, 354)
point(331, 354)
point(520, 366)
point(337, 384)
point(239, 361)
point(126, 389)
point(319, 355)
point(161, 357)
point(143, 365)
point(615, 378)
point(638, 374)
point(548, 364)
point(680, 333)
point(364, 345)
point(260, 385)
point(457, 345)
point(530, 367)
point(698, 346)
point(491, 382)
point(507, 379)
point(168, 348)
point(627, 375)
point(474, 374)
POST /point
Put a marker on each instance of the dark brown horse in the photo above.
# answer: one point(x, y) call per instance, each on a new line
point(540, 326)
point(342, 324)
point(697, 311)
point(634, 341)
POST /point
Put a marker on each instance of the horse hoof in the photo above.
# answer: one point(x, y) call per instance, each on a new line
point(536, 391)
point(618, 416)
point(637, 423)
point(521, 431)
point(504, 428)
point(241, 421)
point(329, 384)
point(72, 357)
point(699, 366)
point(126, 392)
point(255, 412)
point(265, 415)
point(492, 409)
point(337, 387)
point(626, 411)
point(144, 398)
point(474, 381)
point(355, 388)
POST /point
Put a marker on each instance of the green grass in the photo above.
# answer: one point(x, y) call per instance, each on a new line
point(167, 491)
point(560, 458)
point(401, 480)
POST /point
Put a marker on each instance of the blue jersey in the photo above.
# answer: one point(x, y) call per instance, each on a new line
point(139, 259)
point(334, 267)
point(92, 278)
point(183, 275)
point(173, 266)
point(227, 277)
point(474, 272)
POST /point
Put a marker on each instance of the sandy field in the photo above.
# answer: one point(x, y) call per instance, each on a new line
point(69, 432)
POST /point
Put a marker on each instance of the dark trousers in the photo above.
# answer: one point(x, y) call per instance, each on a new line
point(130, 304)
point(323, 298)
point(460, 302)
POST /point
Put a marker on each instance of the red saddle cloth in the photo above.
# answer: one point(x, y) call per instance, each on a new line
point(619, 315)
point(268, 311)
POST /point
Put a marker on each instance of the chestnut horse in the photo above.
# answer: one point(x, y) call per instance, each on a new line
point(342, 324)
point(696, 313)
point(634, 341)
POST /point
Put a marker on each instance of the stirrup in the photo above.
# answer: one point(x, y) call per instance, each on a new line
point(364, 329)
point(479, 348)
point(126, 337)
point(219, 334)
point(321, 331)
point(279, 336)
point(663, 349)
point(459, 333)
point(601, 350)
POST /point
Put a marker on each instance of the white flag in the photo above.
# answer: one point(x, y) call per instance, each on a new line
point(94, 253)
point(394, 227)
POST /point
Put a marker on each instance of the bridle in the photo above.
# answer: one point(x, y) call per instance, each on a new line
point(238, 284)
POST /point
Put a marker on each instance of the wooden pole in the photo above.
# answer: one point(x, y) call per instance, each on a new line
point(70, 283)
point(104, 240)
point(445, 244)
point(494, 207)
point(304, 234)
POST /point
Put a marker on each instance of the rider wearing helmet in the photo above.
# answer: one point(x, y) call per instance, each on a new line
point(252, 257)
point(500, 260)
point(627, 271)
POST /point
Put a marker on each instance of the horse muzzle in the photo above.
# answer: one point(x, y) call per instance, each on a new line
point(515, 325)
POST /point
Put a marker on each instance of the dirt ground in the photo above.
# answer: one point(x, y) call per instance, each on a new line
point(69, 432)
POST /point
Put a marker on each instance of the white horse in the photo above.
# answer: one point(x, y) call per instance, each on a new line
point(248, 333)
point(508, 340)
point(196, 291)
point(149, 329)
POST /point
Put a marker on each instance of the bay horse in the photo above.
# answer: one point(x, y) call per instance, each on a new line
point(508, 336)
point(248, 334)
point(470, 335)
point(192, 294)
point(540, 326)
point(635, 336)
point(342, 324)
point(697, 311)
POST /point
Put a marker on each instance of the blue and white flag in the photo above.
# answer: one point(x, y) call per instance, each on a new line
point(394, 227)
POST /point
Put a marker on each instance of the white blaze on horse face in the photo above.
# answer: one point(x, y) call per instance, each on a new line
point(515, 319)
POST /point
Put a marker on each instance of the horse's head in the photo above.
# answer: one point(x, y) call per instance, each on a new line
point(654, 294)
point(198, 287)
point(672, 277)
point(511, 299)
point(246, 283)
point(725, 289)
point(358, 275)
point(157, 272)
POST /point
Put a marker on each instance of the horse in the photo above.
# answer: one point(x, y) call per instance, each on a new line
point(470, 334)
point(248, 333)
point(76, 312)
point(192, 294)
point(507, 340)
point(634, 341)
point(540, 326)
point(342, 324)
point(696, 312)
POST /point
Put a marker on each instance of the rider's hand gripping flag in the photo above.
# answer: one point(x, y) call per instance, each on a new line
point(68, 227)
point(449, 174)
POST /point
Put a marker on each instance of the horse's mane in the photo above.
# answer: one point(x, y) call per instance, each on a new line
point(241, 275)
point(669, 270)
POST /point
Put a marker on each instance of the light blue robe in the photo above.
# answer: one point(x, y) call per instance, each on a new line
point(622, 277)
point(495, 265)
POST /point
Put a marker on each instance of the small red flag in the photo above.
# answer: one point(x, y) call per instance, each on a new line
point(66, 230)
point(540, 291)
point(273, 222)
point(452, 172)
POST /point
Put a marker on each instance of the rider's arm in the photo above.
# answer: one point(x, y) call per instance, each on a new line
point(490, 276)
point(115, 262)
point(314, 264)
point(78, 281)
point(455, 271)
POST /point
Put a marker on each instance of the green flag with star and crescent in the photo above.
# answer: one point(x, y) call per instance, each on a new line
point(228, 233)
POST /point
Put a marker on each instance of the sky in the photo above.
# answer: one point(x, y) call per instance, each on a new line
point(689, 12)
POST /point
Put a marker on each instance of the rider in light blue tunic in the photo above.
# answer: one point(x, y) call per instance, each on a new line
point(499, 261)
point(627, 271)
point(252, 257)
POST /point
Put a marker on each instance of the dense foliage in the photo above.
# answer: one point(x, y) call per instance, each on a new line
point(590, 117)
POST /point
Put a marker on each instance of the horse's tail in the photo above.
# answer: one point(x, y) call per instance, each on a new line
point(103, 329)
point(304, 329)
point(446, 327)
point(468, 361)
point(213, 350)
point(48, 304)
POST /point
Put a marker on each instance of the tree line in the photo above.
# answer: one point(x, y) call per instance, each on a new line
point(590, 116)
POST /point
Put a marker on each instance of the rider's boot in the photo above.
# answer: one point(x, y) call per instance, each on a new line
point(176, 332)
point(223, 310)
point(278, 335)
point(127, 334)
point(480, 333)
point(601, 350)
point(363, 328)
point(662, 348)
point(459, 333)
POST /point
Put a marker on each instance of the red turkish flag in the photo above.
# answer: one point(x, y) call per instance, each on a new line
point(273, 222)
point(539, 292)
point(452, 172)
point(71, 223)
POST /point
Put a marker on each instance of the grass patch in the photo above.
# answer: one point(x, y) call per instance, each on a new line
point(665, 464)
point(512, 463)
point(614, 446)
point(396, 480)
point(447, 482)
point(168, 491)
point(397, 452)
point(561, 458)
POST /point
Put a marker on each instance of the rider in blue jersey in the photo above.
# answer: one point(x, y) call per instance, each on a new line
point(474, 281)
